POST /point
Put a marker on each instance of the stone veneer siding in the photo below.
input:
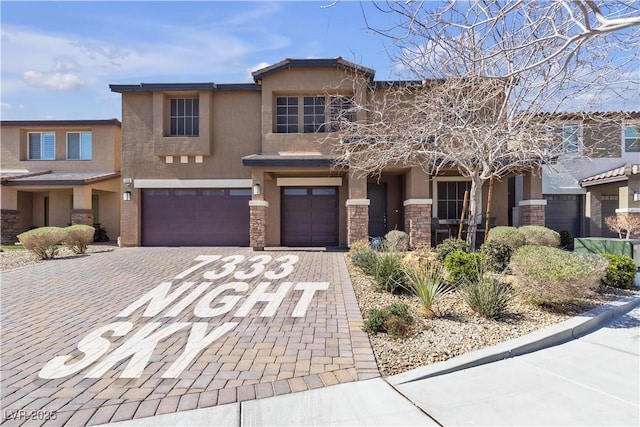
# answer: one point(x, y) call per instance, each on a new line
point(9, 221)
point(357, 222)
point(417, 223)
point(258, 226)
point(82, 216)
point(532, 215)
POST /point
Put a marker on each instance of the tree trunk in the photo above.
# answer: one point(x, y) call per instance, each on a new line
point(475, 198)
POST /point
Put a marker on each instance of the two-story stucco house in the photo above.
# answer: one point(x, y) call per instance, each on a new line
point(60, 172)
point(251, 164)
point(600, 175)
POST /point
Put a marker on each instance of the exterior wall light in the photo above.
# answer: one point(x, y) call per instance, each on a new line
point(257, 189)
point(126, 196)
point(636, 196)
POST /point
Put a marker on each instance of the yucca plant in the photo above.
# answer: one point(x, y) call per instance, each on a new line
point(488, 297)
point(428, 283)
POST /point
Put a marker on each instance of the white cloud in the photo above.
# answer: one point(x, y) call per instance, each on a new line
point(256, 67)
point(6, 106)
point(54, 81)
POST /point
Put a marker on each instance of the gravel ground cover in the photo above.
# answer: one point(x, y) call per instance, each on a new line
point(15, 258)
point(456, 329)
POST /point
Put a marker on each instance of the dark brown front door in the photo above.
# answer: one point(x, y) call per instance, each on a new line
point(195, 217)
point(309, 216)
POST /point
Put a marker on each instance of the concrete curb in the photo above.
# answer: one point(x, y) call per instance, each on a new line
point(573, 328)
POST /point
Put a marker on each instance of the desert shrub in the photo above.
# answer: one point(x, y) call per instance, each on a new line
point(566, 240)
point(450, 245)
point(365, 260)
point(508, 235)
point(100, 234)
point(539, 235)
point(393, 319)
point(396, 241)
point(621, 271)
point(43, 241)
point(462, 266)
point(77, 237)
point(553, 276)
point(389, 273)
point(496, 255)
point(428, 283)
point(359, 245)
point(488, 297)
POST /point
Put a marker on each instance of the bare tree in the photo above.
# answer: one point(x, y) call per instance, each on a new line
point(485, 84)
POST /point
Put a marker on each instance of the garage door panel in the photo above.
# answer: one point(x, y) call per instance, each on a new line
point(195, 217)
point(309, 216)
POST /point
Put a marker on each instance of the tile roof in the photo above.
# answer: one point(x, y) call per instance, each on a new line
point(621, 173)
point(58, 178)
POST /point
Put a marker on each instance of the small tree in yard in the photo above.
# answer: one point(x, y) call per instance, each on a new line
point(487, 79)
point(625, 224)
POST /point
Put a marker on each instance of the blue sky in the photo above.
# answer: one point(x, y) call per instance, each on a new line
point(58, 58)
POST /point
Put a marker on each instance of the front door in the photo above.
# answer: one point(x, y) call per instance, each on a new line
point(377, 193)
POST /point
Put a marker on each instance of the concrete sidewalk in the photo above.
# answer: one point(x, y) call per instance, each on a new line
point(584, 371)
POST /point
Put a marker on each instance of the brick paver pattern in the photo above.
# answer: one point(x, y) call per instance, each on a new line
point(49, 307)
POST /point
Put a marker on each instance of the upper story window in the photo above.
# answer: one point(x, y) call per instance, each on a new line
point(42, 146)
point(571, 137)
point(632, 138)
point(184, 117)
point(287, 114)
point(79, 145)
point(314, 114)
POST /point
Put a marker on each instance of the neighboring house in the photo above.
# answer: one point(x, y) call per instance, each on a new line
point(600, 177)
point(250, 164)
point(60, 172)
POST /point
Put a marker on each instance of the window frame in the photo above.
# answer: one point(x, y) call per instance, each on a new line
point(80, 145)
point(579, 135)
point(42, 150)
point(193, 117)
point(436, 198)
point(625, 125)
point(307, 115)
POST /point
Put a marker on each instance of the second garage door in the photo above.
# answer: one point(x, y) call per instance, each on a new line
point(195, 217)
point(309, 216)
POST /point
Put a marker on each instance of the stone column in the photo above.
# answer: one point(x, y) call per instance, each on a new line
point(9, 223)
point(82, 216)
point(258, 224)
point(357, 220)
point(532, 212)
point(417, 222)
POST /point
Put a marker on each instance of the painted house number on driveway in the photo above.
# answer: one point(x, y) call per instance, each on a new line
point(221, 291)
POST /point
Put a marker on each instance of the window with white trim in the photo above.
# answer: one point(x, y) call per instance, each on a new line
point(184, 117)
point(571, 137)
point(451, 198)
point(79, 145)
point(632, 138)
point(42, 146)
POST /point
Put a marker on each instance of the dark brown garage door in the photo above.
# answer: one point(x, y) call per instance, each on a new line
point(195, 217)
point(309, 216)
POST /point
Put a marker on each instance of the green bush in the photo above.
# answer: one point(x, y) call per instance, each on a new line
point(488, 297)
point(621, 271)
point(393, 319)
point(462, 266)
point(428, 283)
point(497, 255)
point(539, 235)
point(396, 241)
point(566, 240)
point(450, 245)
point(366, 260)
point(77, 237)
point(389, 274)
point(43, 241)
point(552, 276)
point(508, 235)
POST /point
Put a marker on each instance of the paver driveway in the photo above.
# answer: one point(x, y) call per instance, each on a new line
point(144, 331)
